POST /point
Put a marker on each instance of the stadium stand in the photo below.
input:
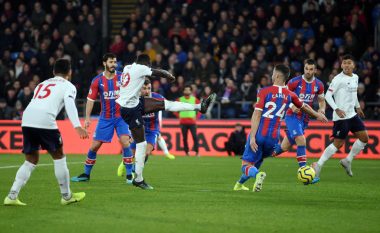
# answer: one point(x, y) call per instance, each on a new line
point(228, 47)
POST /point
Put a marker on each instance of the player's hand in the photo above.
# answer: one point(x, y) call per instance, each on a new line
point(340, 113)
point(322, 111)
point(87, 123)
point(253, 144)
point(83, 134)
point(295, 109)
point(321, 117)
point(360, 112)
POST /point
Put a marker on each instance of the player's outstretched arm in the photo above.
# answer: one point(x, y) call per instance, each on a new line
point(163, 73)
point(255, 120)
point(309, 111)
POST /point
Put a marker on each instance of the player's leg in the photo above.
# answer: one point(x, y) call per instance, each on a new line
point(103, 134)
point(184, 130)
point(301, 150)
point(360, 132)
point(155, 105)
point(248, 168)
point(193, 130)
point(340, 132)
point(63, 177)
point(138, 135)
point(283, 147)
point(122, 130)
point(51, 141)
point(127, 156)
point(89, 163)
point(31, 144)
point(133, 117)
point(293, 129)
point(161, 142)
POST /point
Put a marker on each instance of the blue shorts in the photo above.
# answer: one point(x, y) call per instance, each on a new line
point(294, 128)
point(105, 129)
point(151, 138)
point(342, 127)
point(266, 148)
point(133, 116)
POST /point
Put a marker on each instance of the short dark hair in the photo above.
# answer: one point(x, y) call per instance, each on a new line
point(108, 56)
point(147, 81)
point(284, 70)
point(188, 86)
point(309, 62)
point(348, 57)
point(62, 66)
point(143, 59)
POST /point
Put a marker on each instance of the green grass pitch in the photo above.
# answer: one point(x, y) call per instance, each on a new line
point(195, 195)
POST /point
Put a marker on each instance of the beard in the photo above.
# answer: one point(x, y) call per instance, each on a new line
point(111, 69)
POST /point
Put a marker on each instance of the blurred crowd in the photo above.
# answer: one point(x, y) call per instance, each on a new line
point(223, 46)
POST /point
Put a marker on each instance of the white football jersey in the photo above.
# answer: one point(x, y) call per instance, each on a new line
point(47, 102)
point(344, 89)
point(132, 80)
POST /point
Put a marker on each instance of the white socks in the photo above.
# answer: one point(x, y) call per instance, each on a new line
point(161, 142)
point(62, 174)
point(355, 150)
point(329, 151)
point(22, 176)
point(140, 160)
point(175, 106)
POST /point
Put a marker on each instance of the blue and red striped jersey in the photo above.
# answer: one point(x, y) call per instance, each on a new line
point(108, 89)
point(273, 101)
point(307, 92)
point(152, 120)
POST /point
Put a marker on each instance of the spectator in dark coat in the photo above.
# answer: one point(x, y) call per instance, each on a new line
point(236, 141)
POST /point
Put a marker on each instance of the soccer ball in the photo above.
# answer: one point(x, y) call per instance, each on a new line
point(306, 174)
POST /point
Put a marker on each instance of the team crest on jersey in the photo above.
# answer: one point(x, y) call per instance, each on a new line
point(118, 83)
point(315, 89)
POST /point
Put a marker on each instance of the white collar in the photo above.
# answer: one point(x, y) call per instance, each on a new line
point(303, 77)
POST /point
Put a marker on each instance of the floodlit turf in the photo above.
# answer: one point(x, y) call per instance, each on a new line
point(195, 195)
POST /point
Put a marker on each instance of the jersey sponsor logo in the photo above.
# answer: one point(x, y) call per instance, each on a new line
point(352, 87)
point(111, 94)
point(307, 97)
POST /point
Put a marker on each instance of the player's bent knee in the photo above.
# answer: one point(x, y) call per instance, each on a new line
point(300, 140)
point(32, 159)
point(338, 143)
point(125, 141)
point(95, 146)
point(364, 139)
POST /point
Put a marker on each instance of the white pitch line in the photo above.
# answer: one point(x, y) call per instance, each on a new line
point(38, 165)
